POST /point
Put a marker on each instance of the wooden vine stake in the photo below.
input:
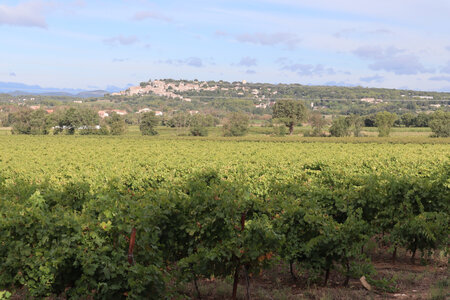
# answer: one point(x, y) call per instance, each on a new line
point(131, 247)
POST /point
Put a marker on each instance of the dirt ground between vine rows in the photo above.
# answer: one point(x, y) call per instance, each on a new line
point(423, 279)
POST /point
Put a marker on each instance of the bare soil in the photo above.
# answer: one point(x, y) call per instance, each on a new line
point(426, 278)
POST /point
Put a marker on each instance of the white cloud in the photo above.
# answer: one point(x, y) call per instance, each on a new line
point(144, 15)
point(28, 14)
point(247, 61)
point(305, 69)
point(190, 61)
point(269, 39)
point(121, 40)
point(392, 59)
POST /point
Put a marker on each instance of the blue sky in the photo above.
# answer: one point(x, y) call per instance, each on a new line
point(98, 43)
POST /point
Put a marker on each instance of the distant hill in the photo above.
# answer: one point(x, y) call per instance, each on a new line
point(21, 89)
point(188, 90)
point(90, 94)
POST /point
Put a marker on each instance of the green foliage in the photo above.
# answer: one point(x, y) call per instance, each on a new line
point(236, 125)
point(407, 119)
point(290, 112)
point(73, 118)
point(31, 122)
point(66, 222)
point(5, 295)
point(56, 249)
point(344, 126)
point(148, 123)
point(440, 123)
point(179, 120)
point(426, 231)
point(317, 123)
point(355, 122)
point(199, 124)
point(144, 84)
point(339, 127)
point(116, 123)
point(224, 229)
point(384, 121)
point(279, 128)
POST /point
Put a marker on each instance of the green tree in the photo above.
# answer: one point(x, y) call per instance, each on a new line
point(318, 123)
point(384, 121)
point(117, 125)
point(407, 119)
point(148, 123)
point(20, 122)
point(180, 121)
point(199, 125)
point(31, 122)
point(340, 127)
point(440, 123)
point(40, 122)
point(356, 123)
point(74, 118)
point(236, 125)
point(421, 120)
point(290, 112)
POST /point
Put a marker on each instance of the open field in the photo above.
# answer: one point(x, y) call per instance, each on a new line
point(5, 130)
point(203, 209)
point(263, 131)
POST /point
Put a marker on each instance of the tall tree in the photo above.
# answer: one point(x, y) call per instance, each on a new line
point(148, 123)
point(340, 127)
point(199, 125)
point(356, 123)
point(236, 125)
point(117, 125)
point(30, 122)
point(384, 121)
point(440, 123)
point(318, 123)
point(74, 118)
point(290, 112)
point(408, 119)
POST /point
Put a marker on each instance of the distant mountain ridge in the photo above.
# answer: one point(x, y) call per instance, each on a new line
point(19, 89)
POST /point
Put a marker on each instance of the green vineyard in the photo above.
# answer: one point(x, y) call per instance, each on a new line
point(133, 217)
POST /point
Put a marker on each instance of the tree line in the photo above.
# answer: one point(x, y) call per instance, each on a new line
point(286, 114)
point(81, 119)
point(291, 113)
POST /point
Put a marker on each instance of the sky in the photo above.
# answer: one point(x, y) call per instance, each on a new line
point(100, 44)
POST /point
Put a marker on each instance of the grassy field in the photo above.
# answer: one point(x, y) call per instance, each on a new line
point(267, 131)
point(258, 131)
point(5, 130)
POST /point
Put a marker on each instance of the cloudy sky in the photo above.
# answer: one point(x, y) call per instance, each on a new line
point(96, 43)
